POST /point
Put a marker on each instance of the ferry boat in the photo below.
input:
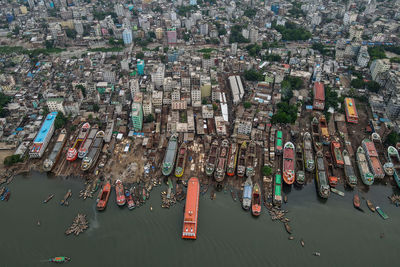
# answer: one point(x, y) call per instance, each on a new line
point(181, 160)
point(247, 193)
point(251, 159)
point(277, 200)
point(320, 176)
point(308, 153)
point(366, 176)
point(288, 163)
point(256, 200)
point(394, 158)
point(300, 175)
point(94, 152)
point(170, 154)
point(351, 177)
point(232, 159)
point(219, 173)
point(337, 155)
point(323, 128)
point(49, 163)
point(85, 146)
point(315, 135)
point(103, 196)
point(241, 168)
point(190, 219)
point(387, 165)
point(373, 160)
point(72, 153)
point(212, 158)
point(279, 143)
point(119, 192)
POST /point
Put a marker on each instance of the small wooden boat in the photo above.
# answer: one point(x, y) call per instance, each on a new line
point(7, 196)
point(67, 195)
point(288, 228)
point(128, 196)
point(356, 201)
point(59, 259)
point(3, 197)
point(382, 213)
point(337, 192)
point(370, 205)
point(48, 198)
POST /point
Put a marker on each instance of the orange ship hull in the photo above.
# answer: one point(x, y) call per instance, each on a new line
point(103, 197)
point(191, 209)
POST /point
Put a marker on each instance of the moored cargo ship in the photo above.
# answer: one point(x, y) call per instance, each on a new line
point(251, 160)
point(337, 155)
point(170, 154)
point(308, 153)
point(315, 135)
point(181, 160)
point(256, 200)
point(351, 177)
point(394, 158)
point(300, 175)
point(288, 163)
point(212, 158)
point(373, 160)
point(94, 152)
point(85, 146)
point(387, 165)
point(241, 165)
point(219, 173)
point(323, 129)
point(232, 159)
point(277, 200)
point(366, 176)
point(320, 176)
point(104, 194)
point(49, 163)
point(120, 193)
point(279, 143)
point(190, 218)
point(247, 193)
point(272, 144)
point(72, 153)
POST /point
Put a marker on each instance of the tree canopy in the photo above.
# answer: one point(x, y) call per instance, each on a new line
point(286, 113)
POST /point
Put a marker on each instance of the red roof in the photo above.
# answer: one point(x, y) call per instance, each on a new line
point(319, 92)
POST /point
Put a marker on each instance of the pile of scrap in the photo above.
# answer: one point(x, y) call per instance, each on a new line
point(167, 200)
point(87, 192)
point(79, 225)
point(180, 194)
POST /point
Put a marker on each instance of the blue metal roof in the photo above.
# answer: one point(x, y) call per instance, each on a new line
point(44, 130)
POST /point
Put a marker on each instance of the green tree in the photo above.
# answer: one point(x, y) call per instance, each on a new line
point(71, 33)
point(96, 108)
point(253, 75)
point(266, 170)
point(286, 113)
point(139, 55)
point(393, 138)
point(60, 120)
point(215, 107)
point(149, 118)
point(45, 111)
point(247, 105)
point(373, 86)
point(204, 101)
point(11, 160)
point(357, 83)
point(83, 89)
point(4, 100)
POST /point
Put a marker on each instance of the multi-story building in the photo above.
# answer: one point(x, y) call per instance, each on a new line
point(159, 33)
point(393, 107)
point(237, 89)
point(196, 97)
point(363, 57)
point(140, 66)
point(233, 48)
point(78, 27)
point(175, 95)
point(109, 75)
point(55, 104)
point(137, 116)
point(244, 126)
point(356, 32)
point(204, 29)
point(178, 104)
point(147, 106)
point(378, 66)
point(205, 86)
point(253, 35)
point(43, 137)
point(158, 75)
point(207, 112)
point(157, 98)
point(171, 36)
point(127, 36)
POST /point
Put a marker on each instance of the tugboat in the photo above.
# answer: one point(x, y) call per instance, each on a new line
point(247, 193)
point(320, 176)
point(288, 163)
point(219, 173)
point(49, 163)
point(59, 259)
point(373, 159)
point(366, 176)
point(180, 162)
point(129, 200)
point(170, 154)
point(308, 153)
point(337, 155)
point(256, 200)
point(279, 143)
point(241, 168)
point(119, 192)
point(251, 161)
point(212, 158)
point(300, 175)
point(80, 139)
point(277, 200)
point(394, 158)
point(351, 177)
point(232, 159)
point(315, 135)
point(104, 194)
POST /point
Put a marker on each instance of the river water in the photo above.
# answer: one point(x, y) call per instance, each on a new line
point(227, 235)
